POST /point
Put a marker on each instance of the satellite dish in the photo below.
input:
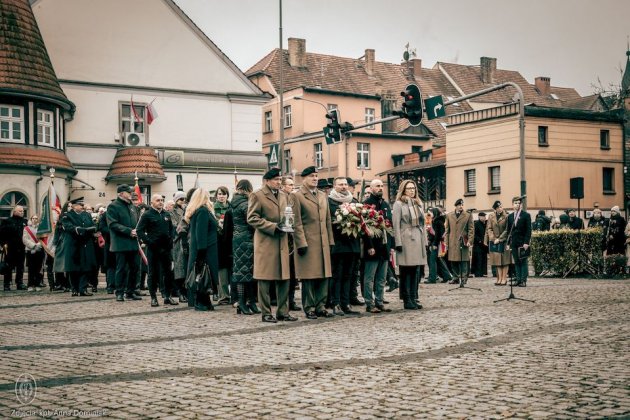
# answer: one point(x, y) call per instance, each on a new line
point(133, 139)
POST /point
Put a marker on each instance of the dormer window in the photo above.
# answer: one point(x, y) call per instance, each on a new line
point(12, 123)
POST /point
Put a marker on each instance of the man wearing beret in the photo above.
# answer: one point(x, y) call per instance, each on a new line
point(519, 226)
point(122, 219)
point(78, 243)
point(313, 239)
point(265, 212)
point(459, 235)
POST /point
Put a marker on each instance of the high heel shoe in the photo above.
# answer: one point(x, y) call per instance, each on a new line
point(243, 309)
point(252, 307)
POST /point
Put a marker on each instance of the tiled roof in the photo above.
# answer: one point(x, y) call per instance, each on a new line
point(31, 155)
point(25, 66)
point(592, 103)
point(129, 160)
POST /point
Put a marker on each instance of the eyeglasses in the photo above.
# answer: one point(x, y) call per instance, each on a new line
point(410, 188)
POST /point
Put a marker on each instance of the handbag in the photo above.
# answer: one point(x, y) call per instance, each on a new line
point(200, 279)
point(4, 266)
point(523, 253)
point(500, 247)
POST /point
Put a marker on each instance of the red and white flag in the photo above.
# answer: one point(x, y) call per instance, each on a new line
point(137, 190)
point(133, 111)
point(151, 113)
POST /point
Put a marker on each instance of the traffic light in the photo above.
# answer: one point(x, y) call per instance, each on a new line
point(412, 105)
point(332, 131)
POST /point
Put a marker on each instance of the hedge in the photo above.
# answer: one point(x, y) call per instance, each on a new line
point(555, 252)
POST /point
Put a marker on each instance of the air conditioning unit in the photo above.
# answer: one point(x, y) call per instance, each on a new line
point(134, 139)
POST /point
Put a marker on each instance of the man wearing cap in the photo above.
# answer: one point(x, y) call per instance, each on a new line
point(265, 213)
point(480, 249)
point(180, 259)
point(324, 186)
point(78, 242)
point(458, 237)
point(520, 232)
point(313, 239)
point(122, 219)
point(156, 230)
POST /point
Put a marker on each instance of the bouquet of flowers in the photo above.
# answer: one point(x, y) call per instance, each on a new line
point(220, 223)
point(361, 219)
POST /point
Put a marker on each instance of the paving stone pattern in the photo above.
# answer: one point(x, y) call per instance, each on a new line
point(464, 357)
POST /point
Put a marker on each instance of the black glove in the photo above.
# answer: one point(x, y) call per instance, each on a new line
point(399, 248)
point(302, 251)
point(279, 231)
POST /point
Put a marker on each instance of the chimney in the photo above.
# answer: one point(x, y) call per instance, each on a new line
point(297, 52)
point(488, 68)
point(417, 67)
point(543, 85)
point(369, 61)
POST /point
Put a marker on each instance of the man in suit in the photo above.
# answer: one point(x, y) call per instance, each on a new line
point(265, 213)
point(520, 232)
point(313, 238)
point(459, 235)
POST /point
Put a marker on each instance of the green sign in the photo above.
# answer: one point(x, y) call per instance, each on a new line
point(273, 155)
point(435, 107)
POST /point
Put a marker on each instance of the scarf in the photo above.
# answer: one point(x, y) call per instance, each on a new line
point(340, 197)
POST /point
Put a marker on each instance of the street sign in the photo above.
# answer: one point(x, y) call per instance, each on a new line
point(273, 154)
point(435, 107)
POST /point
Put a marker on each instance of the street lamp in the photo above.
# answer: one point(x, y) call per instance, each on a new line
point(299, 98)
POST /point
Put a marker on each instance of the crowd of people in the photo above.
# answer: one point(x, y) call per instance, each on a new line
point(256, 250)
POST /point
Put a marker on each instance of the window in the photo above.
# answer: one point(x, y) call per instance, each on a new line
point(287, 116)
point(319, 156)
point(542, 136)
point(287, 162)
point(9, 201)
point(11, 123)
point(369, 117)
point(131, 122)
point(416, 149)
point(331, 106)
point(494, 175)
point(609, 180)
point(604, 139)
point(45, 136)
point(363, 155)
point(470, 179)
point(268, 122)
point(399, 160)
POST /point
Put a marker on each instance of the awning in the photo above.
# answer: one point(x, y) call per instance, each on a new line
point(434, 163)
point(33, 156)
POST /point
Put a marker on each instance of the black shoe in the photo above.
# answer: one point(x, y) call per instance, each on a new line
point(430, 282)
point(154, 302)
point(294, 307)
point(252, 307)
point(75, 293)
point(372, 310)
point(66, 289)
point(110, 291)
point(445, 280)
point(338, 311)
point(311, 315)
point(133, 296)
point(410, 306)
point(383, 308)
point(170, 301)
point(521, 284)
point(94, 289)
point(120, 298)
point(7, 288)
point(348, 311)
point(269, 318)
point(286, 317)
point(21, 287)
point(183, 299)
point(242, 309)
point(356, 302)
point(324, 314)
point(140, 293)
point(203, 308)
point(385, 302)
point(86, 293)
point(454, 281)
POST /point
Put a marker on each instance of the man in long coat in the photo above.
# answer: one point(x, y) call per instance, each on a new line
point(79, 253)
point(11, 232)
point(460, 232)
point(480, 248)
point(265, 213)
point(313, 239)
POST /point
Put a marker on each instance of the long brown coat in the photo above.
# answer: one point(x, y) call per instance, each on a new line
point(271, 249)
point(497, 229)
point(313, 229)
point(457, 228)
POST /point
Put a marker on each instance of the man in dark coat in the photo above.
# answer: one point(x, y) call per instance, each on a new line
point(345, 252)
point(156, 230)
point(109, 258)
point(11, 232)
point(575, 222)
point(480, 249)
point(79, 253)
point(616, 239)
point(542, 223)
point(122, 219)
point(520, 232)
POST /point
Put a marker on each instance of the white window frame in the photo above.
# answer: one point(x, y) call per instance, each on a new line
point(470, 183)
point(287, 116)
point(11, 120)
point(141, 110)
point(45, 129)
point(319, 155)
point(370, 115)
point(494, 187)
point(363, 155)
point(268, 121)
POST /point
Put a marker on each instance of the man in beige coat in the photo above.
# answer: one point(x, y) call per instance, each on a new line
point(459, 235)
point(265, 212)
point(313, 239)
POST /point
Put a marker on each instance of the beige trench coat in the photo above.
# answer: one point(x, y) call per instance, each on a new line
point(412, 238)
point(313, 229)
point(271, 249)
point(498, 229)
point(456, 228)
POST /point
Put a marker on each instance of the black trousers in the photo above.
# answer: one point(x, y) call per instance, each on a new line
point(159, 271)
point(127, 265)
point(19, 270)
point(35, 264)
point(79, 281)
point(479, 261)
point(409, 278)
point(343, 271)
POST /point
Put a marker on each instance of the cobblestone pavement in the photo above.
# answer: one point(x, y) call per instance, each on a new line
point(462, 356)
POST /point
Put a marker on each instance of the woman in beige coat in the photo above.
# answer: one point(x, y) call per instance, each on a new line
point(497, 240)
point(411, 242)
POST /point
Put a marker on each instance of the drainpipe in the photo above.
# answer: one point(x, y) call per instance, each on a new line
point(37, 181)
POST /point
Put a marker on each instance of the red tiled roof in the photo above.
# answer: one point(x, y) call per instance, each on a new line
point(591, 103)
point(129, 160)
point(32, 155)
point(25, 66)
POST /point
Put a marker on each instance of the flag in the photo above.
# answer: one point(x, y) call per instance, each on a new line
point(137, 190)
point(50, 206)
point(136, 117)
point(197, 183)
point(151, 113)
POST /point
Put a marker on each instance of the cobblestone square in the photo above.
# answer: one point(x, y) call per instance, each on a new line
point(462, 356)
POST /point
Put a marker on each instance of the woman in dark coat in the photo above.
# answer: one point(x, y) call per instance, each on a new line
point(242, 249)
point(221, 207)
point(203, 247)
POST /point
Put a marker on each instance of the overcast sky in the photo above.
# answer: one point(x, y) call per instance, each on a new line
point(574, 42)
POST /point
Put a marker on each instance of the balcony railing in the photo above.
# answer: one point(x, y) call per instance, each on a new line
point(483, 114)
